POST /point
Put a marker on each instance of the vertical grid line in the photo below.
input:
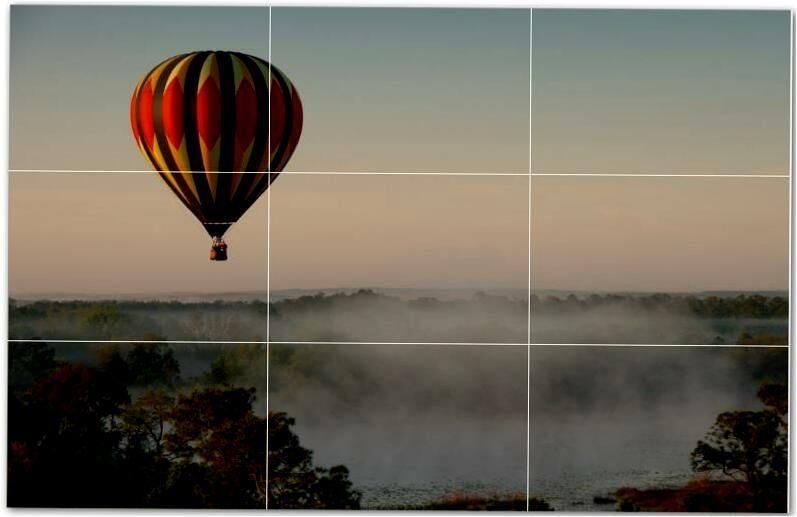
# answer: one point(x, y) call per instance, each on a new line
point(789, 372)
point(528, 301)
point(268, 261)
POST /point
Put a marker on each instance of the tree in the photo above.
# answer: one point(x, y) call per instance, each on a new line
point(153, 364)
point(294, 483)
point(144, 421)
point(102, 319)
point(28, 362)
point(750, 447)
point(63, 441)
point(78, 439)
point(216, 428)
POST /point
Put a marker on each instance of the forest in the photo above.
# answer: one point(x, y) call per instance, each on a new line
point(367, 315)
point(123, 426)
point(185, 425)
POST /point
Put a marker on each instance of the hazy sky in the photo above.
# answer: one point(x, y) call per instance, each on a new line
point(660, 234)
point(404, 231)
point(383, 89)
point(418, 90)
point(104, 233)
point(73, 70)
point(409, 90)
point(660, 91)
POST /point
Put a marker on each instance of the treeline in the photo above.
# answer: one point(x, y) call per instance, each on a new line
point(740, 306)
point(110, 311)
point(363, 315)
point(151, 321)
point(124, 427)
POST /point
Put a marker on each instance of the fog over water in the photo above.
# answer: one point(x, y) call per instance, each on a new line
point(418, 422)
point(435, 420)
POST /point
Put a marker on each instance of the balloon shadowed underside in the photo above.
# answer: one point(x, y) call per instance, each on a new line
point(218, 127)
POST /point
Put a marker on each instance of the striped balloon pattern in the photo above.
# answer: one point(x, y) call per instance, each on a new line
point(203, 121)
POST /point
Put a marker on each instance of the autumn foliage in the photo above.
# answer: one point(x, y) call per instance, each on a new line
point(741, 465)
point(127, 432)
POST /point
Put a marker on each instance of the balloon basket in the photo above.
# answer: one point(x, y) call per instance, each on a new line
point(218, 251)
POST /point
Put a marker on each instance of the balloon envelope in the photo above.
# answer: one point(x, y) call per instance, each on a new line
point(203, 121)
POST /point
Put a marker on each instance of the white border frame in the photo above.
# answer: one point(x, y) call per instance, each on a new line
point(676, 4)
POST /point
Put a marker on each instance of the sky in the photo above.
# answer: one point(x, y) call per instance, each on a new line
point(418, 90)
point(73, 70)
point(102, 233)
point(660, 234)
point(651, 91)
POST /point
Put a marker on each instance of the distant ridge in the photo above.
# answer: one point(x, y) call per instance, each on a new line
point(399, 292)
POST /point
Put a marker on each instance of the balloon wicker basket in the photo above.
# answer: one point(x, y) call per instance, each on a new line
point(218, 251)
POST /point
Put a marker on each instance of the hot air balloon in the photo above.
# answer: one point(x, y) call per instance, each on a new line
point(203, 120)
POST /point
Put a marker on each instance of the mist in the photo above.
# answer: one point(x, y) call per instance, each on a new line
point(414, 423)
point(432, 419)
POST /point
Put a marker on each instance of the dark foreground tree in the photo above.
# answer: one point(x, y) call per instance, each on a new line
point(293, 481)
point(120, 434)
point(750, 447)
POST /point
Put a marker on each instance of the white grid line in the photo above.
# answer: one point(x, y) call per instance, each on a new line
point(528, 321)
point(268, 263)
point(396, 343)
point(285, 173)
point(658, 175)
point(135, 341)
point(748, 175)
point(790, 143)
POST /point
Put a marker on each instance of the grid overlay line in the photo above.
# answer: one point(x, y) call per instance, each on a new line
point(498, 174)
point(790, 143)
point(268, 265)
point(528, 299)
point(659, 175)
point(403, 343)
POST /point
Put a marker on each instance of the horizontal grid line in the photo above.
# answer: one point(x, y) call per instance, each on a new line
point(136, 341)
point(427, 173)
point(287, 173)
point(658, 175)
point(406, 343)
